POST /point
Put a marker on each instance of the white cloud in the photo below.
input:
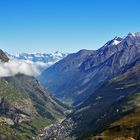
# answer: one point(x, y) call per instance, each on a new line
point(26, 67)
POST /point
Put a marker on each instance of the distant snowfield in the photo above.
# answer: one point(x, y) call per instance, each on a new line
point(29, 64)
point(40, 57)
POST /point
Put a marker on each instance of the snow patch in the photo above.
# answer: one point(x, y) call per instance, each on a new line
point(115, 42)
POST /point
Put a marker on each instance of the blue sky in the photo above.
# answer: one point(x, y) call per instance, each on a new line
point(64, 25)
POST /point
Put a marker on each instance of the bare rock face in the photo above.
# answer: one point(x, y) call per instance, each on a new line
point(4, 120)
point(26, 106)
point(3, 56)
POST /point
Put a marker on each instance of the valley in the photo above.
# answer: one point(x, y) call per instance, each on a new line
point(88, 95)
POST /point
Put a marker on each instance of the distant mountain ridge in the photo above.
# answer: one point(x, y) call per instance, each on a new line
point(48, 58)
point(83, 72)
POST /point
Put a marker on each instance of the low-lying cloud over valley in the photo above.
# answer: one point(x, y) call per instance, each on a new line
point(13, 67)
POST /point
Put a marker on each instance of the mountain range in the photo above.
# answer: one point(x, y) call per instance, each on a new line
point(40, 57)
point(83, 72)
point(105, 88)
point(110, 113)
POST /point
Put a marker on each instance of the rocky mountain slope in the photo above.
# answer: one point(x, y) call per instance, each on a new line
point(25, 106)
point(84, 72)
point(110, 113)
point(3, 56)
point(116, 98)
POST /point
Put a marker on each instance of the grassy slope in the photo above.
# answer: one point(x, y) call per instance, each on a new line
point(128, 126)
point(20, 89)
point(114, 100)
point(40, 97)
point(11, 95)
point(122, 129)
point(9, 92)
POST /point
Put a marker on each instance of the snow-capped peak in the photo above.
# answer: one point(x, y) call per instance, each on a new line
point(41, 57)
point(115, 42)
point(47, 59)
